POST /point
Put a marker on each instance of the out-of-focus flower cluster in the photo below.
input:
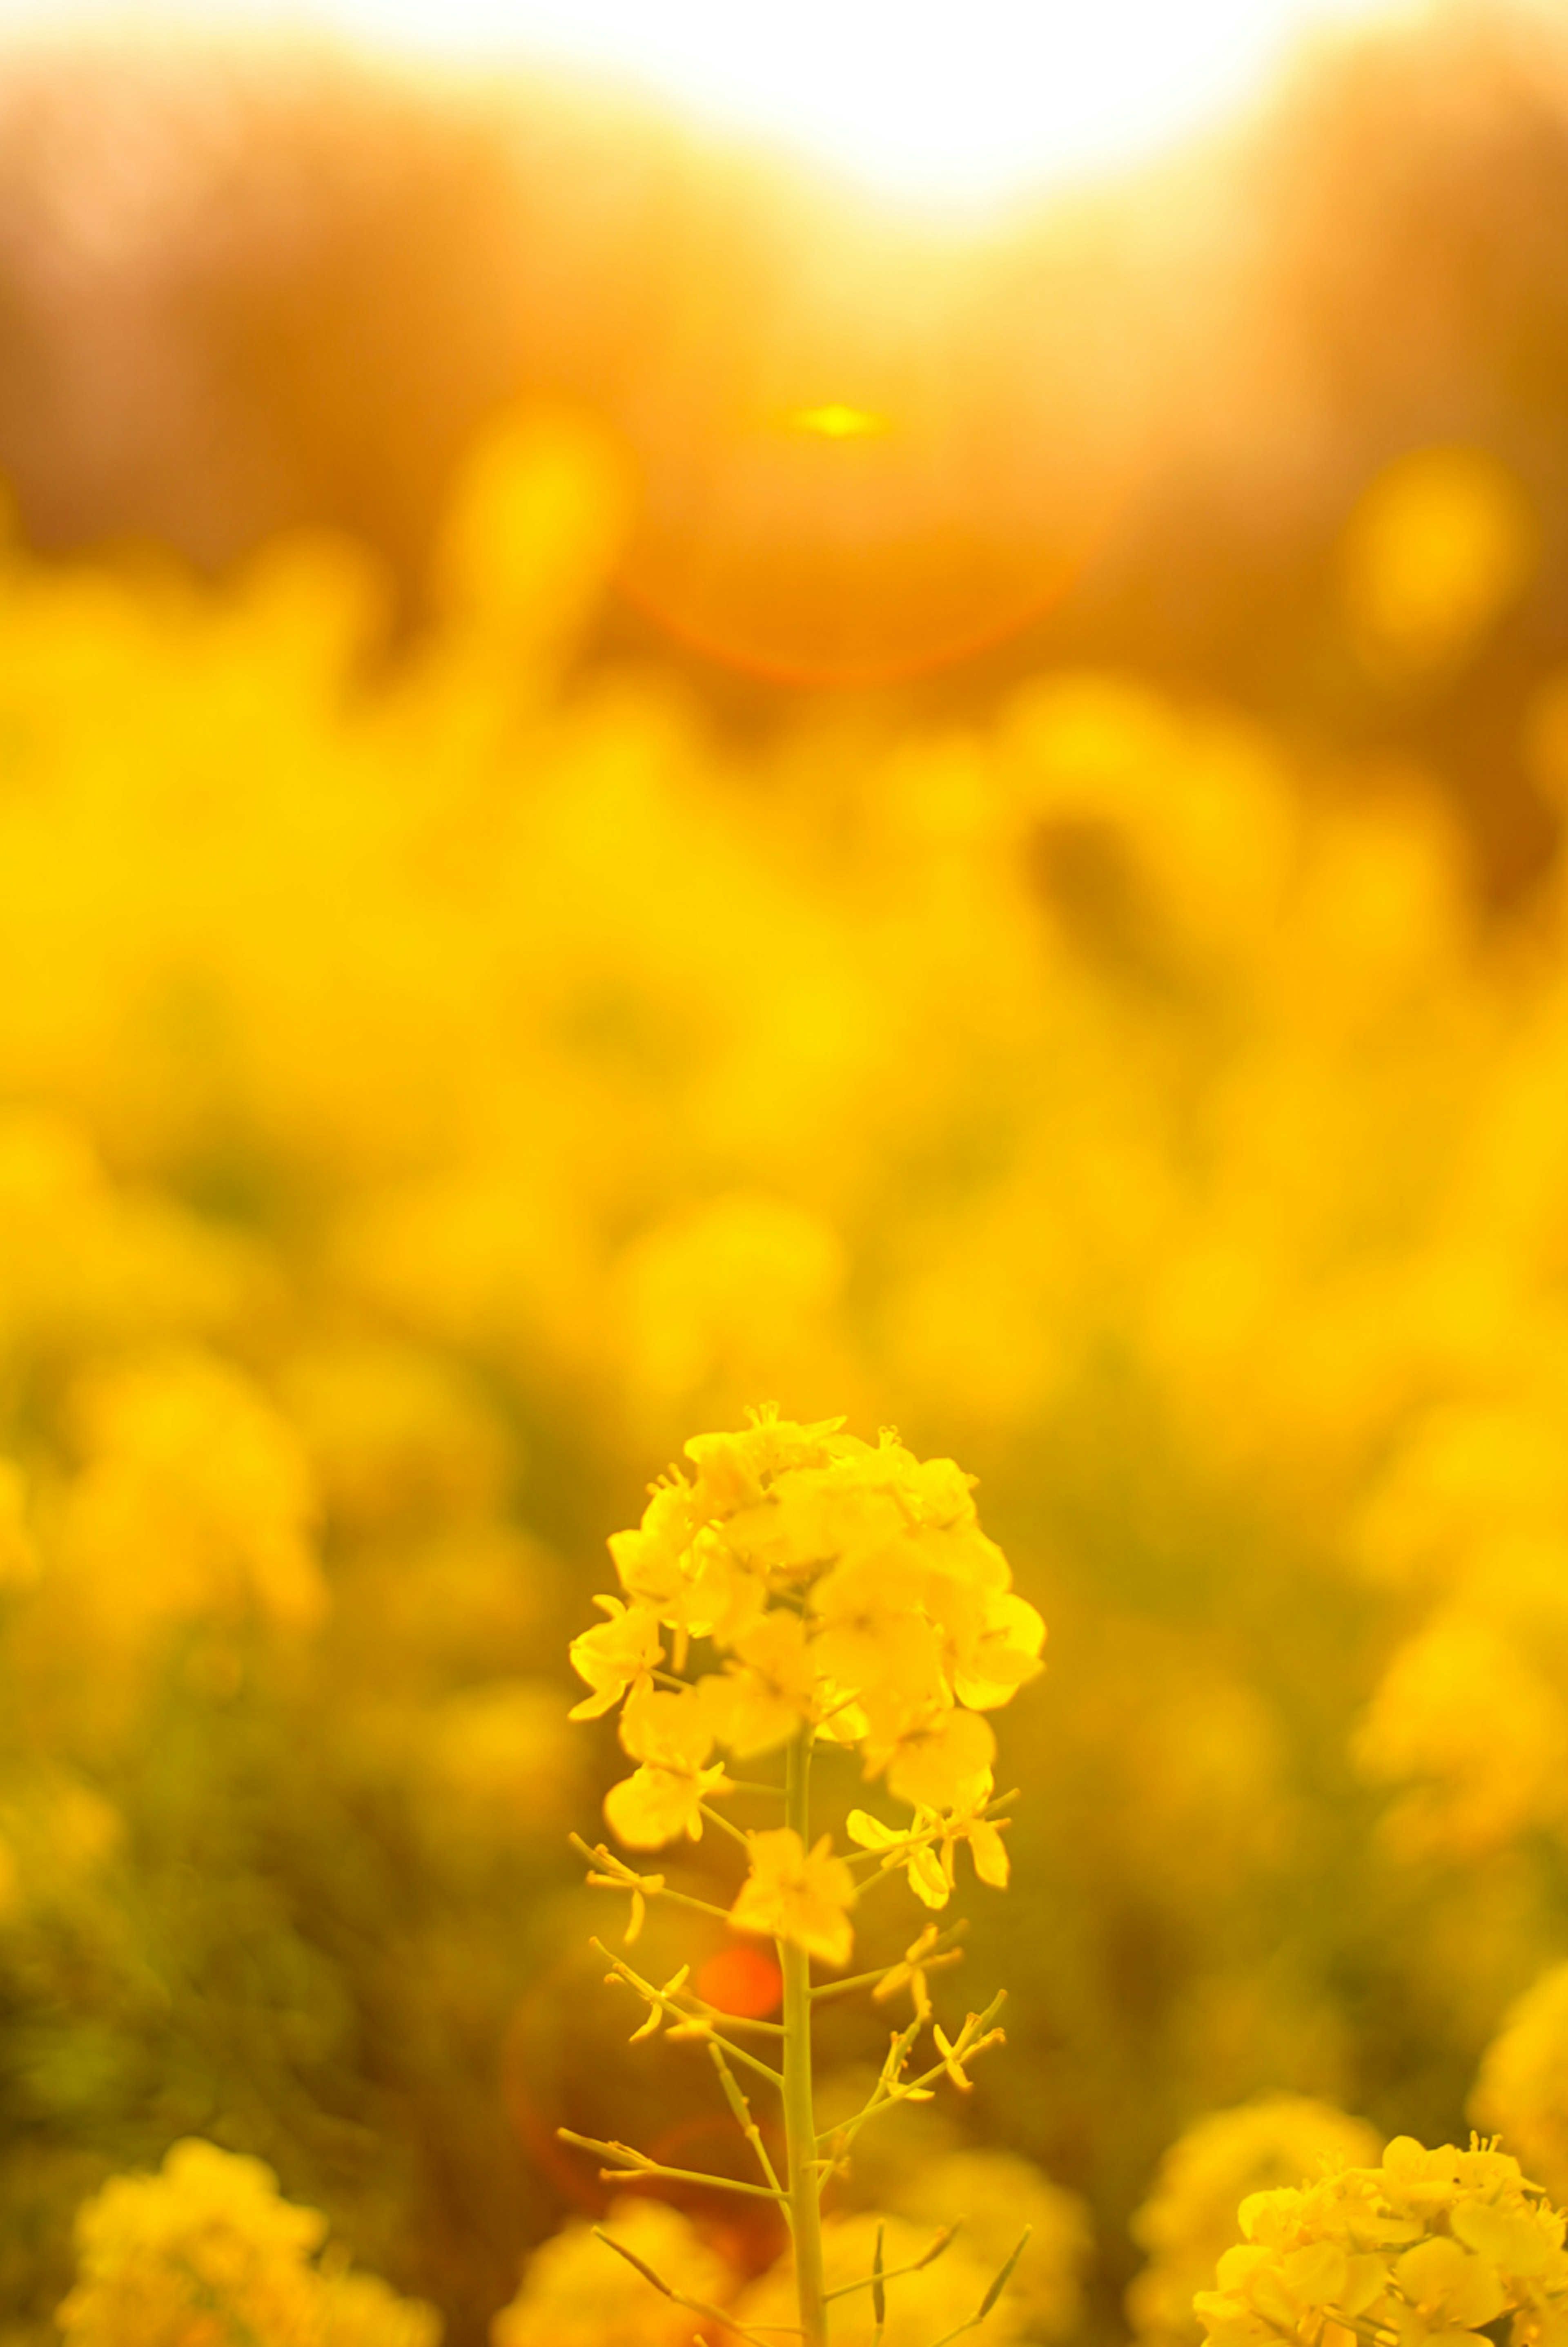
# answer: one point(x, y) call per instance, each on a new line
point(206, 2250)
point(1428, 2245)
point(434, 1074)
point(574, 2292)
point(1189, 2220)
point(1523, 2089)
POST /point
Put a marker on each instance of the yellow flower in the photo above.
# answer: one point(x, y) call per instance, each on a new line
point(798, 1895)
point(935, 1760)
point(1429, 2246)
point(911, 1972)
point(207, 2251)
point(1523, 2089)
point(663, 1799)
point(1445, 2288)
point(951, 2060)
point(927, 1878)
point(931, 1867)
point(653, 1562)
point(983, 1836)
point(615, 1655)
point(360, 2311)
point(999, 1654)
point(647, 1556)
point(766, 1693)
point(574, 2293)
point(669, 1729)
point(868, 1635)
point(197, 1498)
point(1190, 2218)
point(653, 1806)
point(733, 1468)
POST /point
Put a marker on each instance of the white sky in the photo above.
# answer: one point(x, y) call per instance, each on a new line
point(937, 100)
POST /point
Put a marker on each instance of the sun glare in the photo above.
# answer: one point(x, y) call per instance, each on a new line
point(837, 422)
point(922, 100)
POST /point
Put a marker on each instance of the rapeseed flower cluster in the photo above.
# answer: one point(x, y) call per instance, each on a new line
point(1189, 2219)
point(853, 1601)
point(1428, 2245)
point(848, 1593)
point(206, 2251)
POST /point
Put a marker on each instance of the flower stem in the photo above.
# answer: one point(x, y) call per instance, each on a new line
point(799, 2122)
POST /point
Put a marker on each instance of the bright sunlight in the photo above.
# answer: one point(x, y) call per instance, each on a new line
point(930, 103)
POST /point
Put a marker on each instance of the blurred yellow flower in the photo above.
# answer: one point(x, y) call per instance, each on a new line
point(18, 1556)
point(574, 2293)
point(768, 1689)
point(800, 1895)
point(1523, 2086)
point(206, 2250)
point(615, 1655)
point(1190, 2218)
point(1436, 548)
point(1429, 2245)
point(935, 1759)
point(196, 1497)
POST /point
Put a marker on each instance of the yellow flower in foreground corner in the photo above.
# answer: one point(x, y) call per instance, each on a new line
point(209, 2249)
point(798, 1895)
point(1427, 2246)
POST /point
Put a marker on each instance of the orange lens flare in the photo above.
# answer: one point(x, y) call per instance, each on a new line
point(745, 1981)
point(848, 549)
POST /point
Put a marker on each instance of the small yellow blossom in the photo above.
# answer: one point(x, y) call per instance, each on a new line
point(669, 1734)
point(927, 1876)
point(649, 2027)
point(765, 1694)
point(668, 1727)
point(937, 1760)
point(798, 1895)
point(609, 1872)
point(911, 1974)
point(653, 1806)
point(868, 1635)
point(1000, 1653)
point(952, 2057)
point(983, 1836)
point(615, 1655)
point(675, 1566)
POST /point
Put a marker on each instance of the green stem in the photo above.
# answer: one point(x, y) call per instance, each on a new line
point(799, 2122)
